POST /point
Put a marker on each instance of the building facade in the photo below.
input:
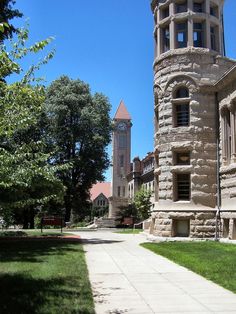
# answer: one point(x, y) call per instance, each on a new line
point(194, 91)
point(99, 195)
point(141, 176)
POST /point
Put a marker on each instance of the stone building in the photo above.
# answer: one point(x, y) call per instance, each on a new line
point(99, 194)
point(141, 176)
point(195, 149)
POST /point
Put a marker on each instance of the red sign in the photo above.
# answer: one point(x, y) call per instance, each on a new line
point(52, 221)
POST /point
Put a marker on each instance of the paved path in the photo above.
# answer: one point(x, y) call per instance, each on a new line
point(127, 278)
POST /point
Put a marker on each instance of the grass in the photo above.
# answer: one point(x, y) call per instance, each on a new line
point(214, 261)
point(129, 231)
point(34, 233)
point(44, 277)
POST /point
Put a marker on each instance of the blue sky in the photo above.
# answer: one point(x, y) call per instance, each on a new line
point(109, 45)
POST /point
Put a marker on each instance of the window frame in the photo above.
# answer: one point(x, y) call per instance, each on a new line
point(184, 31)
point(181, 7)
point(200, 33)
point(177, 157)
point(183, 179)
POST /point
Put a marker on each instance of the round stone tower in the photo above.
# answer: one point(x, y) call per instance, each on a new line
point(189, 58)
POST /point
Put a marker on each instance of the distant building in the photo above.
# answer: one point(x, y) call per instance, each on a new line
point(141, 176)
point(99, 194)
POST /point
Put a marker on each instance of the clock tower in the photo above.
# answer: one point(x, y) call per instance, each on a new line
point(121, 146)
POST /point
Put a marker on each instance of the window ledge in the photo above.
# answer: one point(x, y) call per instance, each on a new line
point(181, 168)
point(182, 202)
point(180, 100)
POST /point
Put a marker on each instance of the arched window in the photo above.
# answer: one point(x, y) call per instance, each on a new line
point(181, 92)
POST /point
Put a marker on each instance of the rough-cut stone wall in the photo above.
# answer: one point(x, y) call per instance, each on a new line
point(193, 68)
point(202, 224)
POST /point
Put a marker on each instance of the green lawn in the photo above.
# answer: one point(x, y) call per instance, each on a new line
point(27, 233)
point(129, 231)
point(213, 260)
point(44, 276)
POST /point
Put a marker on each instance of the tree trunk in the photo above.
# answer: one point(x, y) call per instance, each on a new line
point(67, 200)
point(31, 217)
point(25, 219)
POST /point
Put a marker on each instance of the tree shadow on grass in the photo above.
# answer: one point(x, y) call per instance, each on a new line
point(20, 293)
point(25, 250)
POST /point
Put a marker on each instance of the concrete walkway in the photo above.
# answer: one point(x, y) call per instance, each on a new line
point(127, 278)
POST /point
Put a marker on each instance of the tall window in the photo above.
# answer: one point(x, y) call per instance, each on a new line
point(213, 38)
point(181, 6)
point(183, 187)
point(123, 190)
point(182, 115)
point(118, 191)
point(181, 35)
point(229, 137)
point(198, 35)
point(165, 12)
point(165, 39)
point(214, 10)
point(198, 7)
point(121, 160)
point(181, 107)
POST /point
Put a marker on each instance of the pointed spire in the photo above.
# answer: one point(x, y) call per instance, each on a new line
point(122, 112)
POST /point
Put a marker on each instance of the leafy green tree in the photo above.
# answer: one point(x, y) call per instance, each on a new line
point(81, 130)
point(143, 203)
point(27, 179)
point(129, 210)
point(7, 13)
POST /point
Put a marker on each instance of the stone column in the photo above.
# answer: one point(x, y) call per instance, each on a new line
point(158, 41)
point(190, 24)
point(172, 26)
point(208, 34)
point(190, 32)
point(207, 26)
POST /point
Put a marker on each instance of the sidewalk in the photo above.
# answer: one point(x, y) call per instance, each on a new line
point(127, 278)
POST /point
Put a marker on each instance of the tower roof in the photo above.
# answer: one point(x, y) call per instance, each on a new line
point(122, 112)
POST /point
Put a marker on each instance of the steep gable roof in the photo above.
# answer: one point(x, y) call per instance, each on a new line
point(122, 112)
point(100, 187)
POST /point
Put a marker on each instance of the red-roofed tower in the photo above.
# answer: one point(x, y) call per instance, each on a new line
point(121, 147)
